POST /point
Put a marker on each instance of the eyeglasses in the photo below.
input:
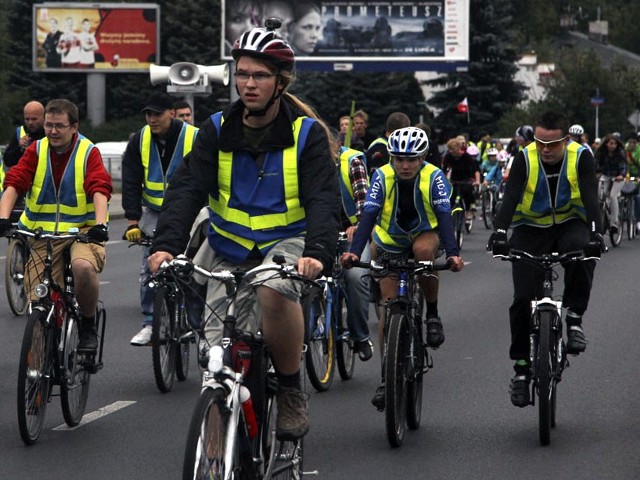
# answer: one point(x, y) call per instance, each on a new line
point(258, 77)
point(58, 126)
point(550, 144)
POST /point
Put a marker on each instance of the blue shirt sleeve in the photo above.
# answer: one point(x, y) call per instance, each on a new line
point(441, 204)
point(372, 206)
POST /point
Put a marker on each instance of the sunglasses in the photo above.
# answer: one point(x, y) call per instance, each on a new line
point(550, 144)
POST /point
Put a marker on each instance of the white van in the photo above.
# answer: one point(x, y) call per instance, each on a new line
point(112, 153)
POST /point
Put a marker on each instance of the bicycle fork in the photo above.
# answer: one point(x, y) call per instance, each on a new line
point(558, 362)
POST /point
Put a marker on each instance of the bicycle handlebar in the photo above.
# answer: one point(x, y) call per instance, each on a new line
point(413, 266)
point(549, 259)
point(38, 234)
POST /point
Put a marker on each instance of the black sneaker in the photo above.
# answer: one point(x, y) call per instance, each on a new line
point(435, 332)
point(576, 341)
point(88, 336)
point(378, 399)
point(292, 421)
point(364, 349)
point(519, 390)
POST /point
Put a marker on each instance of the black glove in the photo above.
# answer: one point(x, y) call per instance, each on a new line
point(596, 246)
point(498, 242)
point(5, 226)
point(98, 233)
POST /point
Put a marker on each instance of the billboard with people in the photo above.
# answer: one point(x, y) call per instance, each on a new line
point(102, 37)
point(360, 35)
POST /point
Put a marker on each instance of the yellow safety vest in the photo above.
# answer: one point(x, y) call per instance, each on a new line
point(536, 206)
point(56, 210)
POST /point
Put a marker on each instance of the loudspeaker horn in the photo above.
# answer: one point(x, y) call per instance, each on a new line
point(184, 73)
point(158, 74)
point(215, 73)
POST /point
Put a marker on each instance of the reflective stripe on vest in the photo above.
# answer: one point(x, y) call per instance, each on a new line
point(536, 206)
point(346, 188)
point(387, 233)
point(20, 132)
point(155, 180)
point(256, 206)
point(58, 210)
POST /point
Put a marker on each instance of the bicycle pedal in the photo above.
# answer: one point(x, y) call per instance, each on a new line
point(187, 337)
point(313, 472)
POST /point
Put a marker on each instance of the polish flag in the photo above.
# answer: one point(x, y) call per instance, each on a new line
point(463, 106)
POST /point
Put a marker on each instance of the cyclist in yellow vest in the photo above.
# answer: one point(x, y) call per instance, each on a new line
point(354, 181)
point(551, 202)
point(66, 186)
point(25, 134)
point(268, 169)
point(377, 153)
point(152, 156)
point(409, 211)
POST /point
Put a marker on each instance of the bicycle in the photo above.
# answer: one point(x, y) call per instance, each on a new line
point(627, 209)
point(488, 204)
point(16, 261)
point(406, 357)
point(232, 429)
point(605, 208)
point(548, 356)
point(49, 355)
point(171, 332)
point(327, 338)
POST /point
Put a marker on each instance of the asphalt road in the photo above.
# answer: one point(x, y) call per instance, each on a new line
point(469, 428)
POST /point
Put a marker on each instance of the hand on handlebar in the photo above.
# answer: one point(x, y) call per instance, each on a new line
point(348, 259)
point(455, 264)
point(5, 226)
point(156, 259)
point(596, 246)
point(133, 233)
point(310, 268)
point(98, 233)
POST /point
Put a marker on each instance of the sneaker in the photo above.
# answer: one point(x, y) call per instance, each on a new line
point(143, 337)
point(435, 332)
point(576, 341)
point(378, 398)
point(292, 421)
point(203, 352)
point(87, 336)
point(614, 229)
point(364, 349)
point(519, 390)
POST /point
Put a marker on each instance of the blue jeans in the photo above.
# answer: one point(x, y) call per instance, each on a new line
point(357, 291)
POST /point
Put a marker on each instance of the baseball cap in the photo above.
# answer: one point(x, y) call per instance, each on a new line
point(158, 103)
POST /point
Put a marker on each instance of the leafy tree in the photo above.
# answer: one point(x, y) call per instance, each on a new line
point(489, 84)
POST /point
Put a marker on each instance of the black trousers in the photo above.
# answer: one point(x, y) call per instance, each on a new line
point(527, 279)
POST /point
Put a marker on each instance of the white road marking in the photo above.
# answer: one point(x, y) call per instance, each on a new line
point(102, 412)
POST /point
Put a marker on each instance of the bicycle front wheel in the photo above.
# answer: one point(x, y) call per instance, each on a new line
point(74, 386)
point(345, 353)
point(16, 261)
point(545, 376)
point(34, 376)
point(487, 209)
point(183, 347)
point(630, 220)
point(396, 363)
point(319, 338)
point(204, 456)
point(163, 340)
point(458, 226)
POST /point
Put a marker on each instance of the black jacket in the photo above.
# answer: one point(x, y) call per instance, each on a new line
point(198, 175)
point(13, 153)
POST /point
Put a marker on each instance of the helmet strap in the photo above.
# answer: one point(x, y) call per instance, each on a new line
point(263, 111)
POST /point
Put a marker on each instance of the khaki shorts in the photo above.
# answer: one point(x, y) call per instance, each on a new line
point(247, 308)
point(91, 252)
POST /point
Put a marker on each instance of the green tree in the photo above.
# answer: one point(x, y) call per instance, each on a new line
point(489, 83)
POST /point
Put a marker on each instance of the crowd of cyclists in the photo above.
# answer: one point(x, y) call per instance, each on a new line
point(265, 168)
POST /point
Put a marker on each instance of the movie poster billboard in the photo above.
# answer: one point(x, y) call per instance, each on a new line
point(368, 35)
point(95, 37)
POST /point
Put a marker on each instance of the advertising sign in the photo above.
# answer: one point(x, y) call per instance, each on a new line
point(360, 35)
point(95, 37)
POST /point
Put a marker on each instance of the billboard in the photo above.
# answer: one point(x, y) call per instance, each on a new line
point(360, 35)
point(95, 37)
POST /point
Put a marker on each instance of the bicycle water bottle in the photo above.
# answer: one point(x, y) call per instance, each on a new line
point(215, 359)
point(249, 412)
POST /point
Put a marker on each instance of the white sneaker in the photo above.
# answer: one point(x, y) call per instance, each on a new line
point(143, 337)
point(638, 226)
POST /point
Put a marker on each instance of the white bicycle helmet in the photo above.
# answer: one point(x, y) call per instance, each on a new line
point(408, 142)
point(265, 44)
point(576, 129)
point(492, 151)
